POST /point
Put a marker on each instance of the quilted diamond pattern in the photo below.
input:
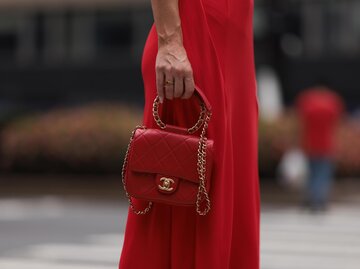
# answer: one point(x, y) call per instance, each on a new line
point(153, 152)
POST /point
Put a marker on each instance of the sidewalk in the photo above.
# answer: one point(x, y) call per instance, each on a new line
point(63, 233)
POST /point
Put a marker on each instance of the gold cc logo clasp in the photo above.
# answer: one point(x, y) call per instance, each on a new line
point(166, 184)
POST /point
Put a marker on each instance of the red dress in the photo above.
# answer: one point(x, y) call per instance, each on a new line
point(218, 39)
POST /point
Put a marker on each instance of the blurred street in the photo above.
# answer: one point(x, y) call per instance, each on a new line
point(50, 232)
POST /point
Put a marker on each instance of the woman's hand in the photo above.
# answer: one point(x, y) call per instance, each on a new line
point(174, 75)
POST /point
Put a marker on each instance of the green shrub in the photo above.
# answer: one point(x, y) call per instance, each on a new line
point(348, 148)
point(91, 138)
point(275, 138)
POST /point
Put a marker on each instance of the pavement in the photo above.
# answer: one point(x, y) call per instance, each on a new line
point(69, 229)
point(60, 233)
point(292, 238)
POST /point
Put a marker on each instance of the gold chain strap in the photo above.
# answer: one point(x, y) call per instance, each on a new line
point(191, 130)
point(201, 168)
point(123, 171)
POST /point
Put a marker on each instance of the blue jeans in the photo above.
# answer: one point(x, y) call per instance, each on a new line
point(320, 181)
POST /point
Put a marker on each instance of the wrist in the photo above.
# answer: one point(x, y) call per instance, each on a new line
point(170, 37)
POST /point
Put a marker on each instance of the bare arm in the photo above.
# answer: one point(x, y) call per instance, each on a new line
point(172, 63)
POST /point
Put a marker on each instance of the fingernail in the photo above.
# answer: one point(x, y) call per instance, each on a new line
point(161, 99)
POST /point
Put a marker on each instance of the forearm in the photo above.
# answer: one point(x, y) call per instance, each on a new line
point(167, 21)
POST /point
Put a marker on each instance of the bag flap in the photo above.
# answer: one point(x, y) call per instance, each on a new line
point(160, 152)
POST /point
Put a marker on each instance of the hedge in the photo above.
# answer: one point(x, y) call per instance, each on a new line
point(93, 138)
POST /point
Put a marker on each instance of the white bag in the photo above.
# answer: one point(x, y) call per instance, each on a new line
point(293, 169)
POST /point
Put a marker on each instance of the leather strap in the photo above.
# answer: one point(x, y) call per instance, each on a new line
point(202, 97)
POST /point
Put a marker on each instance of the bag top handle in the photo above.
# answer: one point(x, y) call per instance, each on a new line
point(204, 106)
point(203, 98)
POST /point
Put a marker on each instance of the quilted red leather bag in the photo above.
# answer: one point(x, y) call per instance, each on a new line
point(170, 164)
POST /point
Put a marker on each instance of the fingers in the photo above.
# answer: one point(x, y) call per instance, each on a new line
point(160, 78)
point(169, 86)
point(174, 76)
point(189, 87)
point(179, 87)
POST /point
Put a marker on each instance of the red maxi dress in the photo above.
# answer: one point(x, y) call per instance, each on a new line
point(218, 38)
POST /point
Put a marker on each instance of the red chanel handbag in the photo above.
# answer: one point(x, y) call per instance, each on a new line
point(170, 165)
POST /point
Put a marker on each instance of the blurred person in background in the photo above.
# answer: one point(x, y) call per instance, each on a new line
point(319, 110)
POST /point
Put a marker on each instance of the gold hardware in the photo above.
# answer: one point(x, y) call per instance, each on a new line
point(169, 82)
point(166, 184)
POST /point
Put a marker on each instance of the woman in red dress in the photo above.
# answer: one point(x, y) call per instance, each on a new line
point(208, 43)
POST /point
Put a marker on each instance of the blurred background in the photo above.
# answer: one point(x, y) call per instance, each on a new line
point(71, 92)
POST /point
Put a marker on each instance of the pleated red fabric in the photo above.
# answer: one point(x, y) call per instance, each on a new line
point(218, 38)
